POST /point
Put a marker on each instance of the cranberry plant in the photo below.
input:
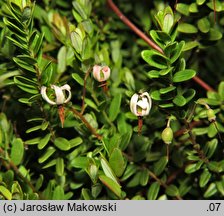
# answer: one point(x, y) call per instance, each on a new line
point(94, 107)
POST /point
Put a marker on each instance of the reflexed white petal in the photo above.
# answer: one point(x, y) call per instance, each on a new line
point(146, 95)
point(133, 104)
point(68, 89)
point(60, 98)
point(43, 92)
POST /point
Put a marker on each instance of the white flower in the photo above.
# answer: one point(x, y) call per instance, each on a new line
point(140, 104)
point(101, 73)
point(60, 96)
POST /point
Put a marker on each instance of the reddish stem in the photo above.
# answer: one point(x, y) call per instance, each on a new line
point(133, 27)
point(125, 20)
point(140, 124)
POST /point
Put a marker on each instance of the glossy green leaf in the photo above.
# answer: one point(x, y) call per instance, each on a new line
point(130, 170)
point(155, 59)
point(211, 190)
point(214, 35)
point(5, 192)
point(33, 141)
point(80, 162)
point(50, 151)
point(153, 191)
point(172, 190)
point(62, 143)
point(61, 66)
point(183, 8)
point(44, 141)
point(107, 170)
point(114, 109)
point(75, 142)
point(187, 28)
point(200, 2)
point(204, 178)
point(179, 100)
point(183, 75)
point(190, 45)
point(111, 184)
point(220, 187)
point(204, 25)
point(58, 193)
point(60, 166)
point(17, 151)
point(78, 79)
point(167, 89)
point(160, 165)
point(117, 162)
point(144, 177)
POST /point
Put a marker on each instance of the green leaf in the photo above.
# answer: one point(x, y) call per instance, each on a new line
point(114, 109)
point(76, 41)
point(50, 151)
point(58, 193)
point(155, 59)
point(166, 71)
point(214, 35)
point(111, 184)
point(80, 162)
point(78, 79)
point(211, 190)
point(204, 178)
point(167, 89)
point(61, 66)
point(179, 100)
point(153, 191)
point(220, 187)
point(17, 151)
point(183, 9)
point(130, 170)
point(80, 9)
point(177, 51)
point(117, 162)
point(60, 166)
point(107, 170)
point(187, 28)
point(46, 74)
point(190, 45)
point(200, 2)
point(33, 141)
point(193, 8)
point(5, 192)
point(62, 143)
point(172, 191)
point(221, 90)
point(144, 177)
point(211, 147)
point(191, 168)
point(35, 128)
point(44, 141)
point(218, 7)
point(24, 65)
point(204, 25)
point(75, 142)
point(183, 75)
point(160, 165)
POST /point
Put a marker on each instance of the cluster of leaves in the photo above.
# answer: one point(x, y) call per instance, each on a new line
point(98, 154)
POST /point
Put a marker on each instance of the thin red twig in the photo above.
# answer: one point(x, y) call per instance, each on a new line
point(152, 44)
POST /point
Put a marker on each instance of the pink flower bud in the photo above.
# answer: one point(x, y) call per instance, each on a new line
point(101, 73)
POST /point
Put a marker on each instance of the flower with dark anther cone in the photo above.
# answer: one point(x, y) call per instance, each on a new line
point(101, 74)
point(60, 98)
point(140, 106)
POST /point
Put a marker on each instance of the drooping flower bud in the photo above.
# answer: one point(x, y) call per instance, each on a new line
point(101, 74)
point(60, 95)
point(141, 104)
point(167, 135)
